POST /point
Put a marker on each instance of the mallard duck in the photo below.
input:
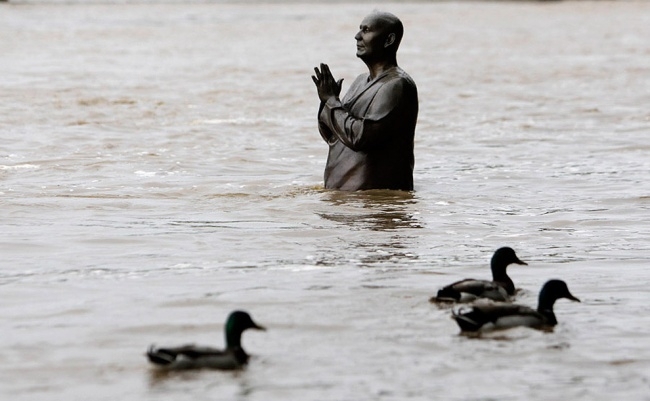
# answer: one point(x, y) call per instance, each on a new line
point(195, 357)
point(499, 315)
point(499, 289)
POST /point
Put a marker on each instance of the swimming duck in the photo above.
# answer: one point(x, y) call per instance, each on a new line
point(499, 289)
point(195, 357)
point(498, 315)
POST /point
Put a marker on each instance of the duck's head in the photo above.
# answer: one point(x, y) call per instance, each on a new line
point(240, 321)
point(505, 256)
point(237, 322)
point(552, 291)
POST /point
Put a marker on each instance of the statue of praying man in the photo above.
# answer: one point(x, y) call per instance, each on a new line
point(370, 132)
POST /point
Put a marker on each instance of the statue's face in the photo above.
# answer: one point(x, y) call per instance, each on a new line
point(370, 38)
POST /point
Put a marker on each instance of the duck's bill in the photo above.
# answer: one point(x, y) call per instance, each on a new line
point(571, 297)
point(521, 262)
point(258, 327)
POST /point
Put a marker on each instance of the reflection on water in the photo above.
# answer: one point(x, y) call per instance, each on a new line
point(378, 210)
point(231, 382)
point(382, 221)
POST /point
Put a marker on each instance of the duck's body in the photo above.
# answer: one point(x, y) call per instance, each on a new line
point(501, 288)
point(497, 316)
point(470, 290)
point(197, 357)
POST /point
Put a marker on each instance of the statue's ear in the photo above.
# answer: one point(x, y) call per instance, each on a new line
point(390, 39)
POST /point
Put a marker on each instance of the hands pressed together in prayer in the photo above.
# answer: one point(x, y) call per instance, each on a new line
point(326, 85)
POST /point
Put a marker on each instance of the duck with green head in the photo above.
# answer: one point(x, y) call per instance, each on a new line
point(496, 315)
point(196, 357)
point(501, 288)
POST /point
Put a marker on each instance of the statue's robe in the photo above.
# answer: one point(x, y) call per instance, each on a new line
point(370, 133)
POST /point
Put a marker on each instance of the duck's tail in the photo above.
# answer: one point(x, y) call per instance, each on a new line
point(467, 321)
point(160, 356)
point(446, 295)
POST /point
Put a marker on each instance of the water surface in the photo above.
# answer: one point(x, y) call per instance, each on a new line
point(160, 166)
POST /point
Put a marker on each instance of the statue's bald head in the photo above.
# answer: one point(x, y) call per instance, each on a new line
point(390, 24)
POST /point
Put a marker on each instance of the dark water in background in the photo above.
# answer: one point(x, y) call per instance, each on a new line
point(160, 166)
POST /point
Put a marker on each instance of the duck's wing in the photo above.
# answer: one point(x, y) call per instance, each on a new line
point(197, 357)
point(496, 316)
point(166, 356)
point(469, 290)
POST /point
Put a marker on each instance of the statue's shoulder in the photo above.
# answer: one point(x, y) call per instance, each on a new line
point(397, 80)
point(403, 76)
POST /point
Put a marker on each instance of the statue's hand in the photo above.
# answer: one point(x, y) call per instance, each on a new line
point(326, 85)
point(339, 84)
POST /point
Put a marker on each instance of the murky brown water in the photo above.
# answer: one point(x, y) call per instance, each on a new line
point(160, 166)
